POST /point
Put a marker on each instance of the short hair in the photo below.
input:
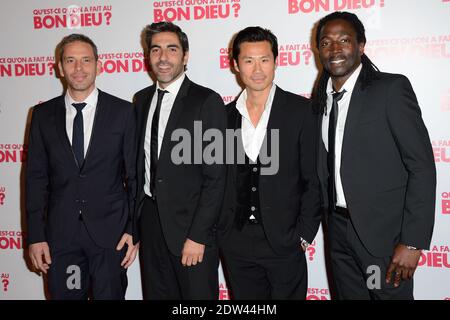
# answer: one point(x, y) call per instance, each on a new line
point(73, 38)
point(164, 26)
point(347, 16)
point(254, 34)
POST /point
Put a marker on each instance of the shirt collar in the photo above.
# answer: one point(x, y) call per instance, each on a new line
point(91, 100)
point(349, 84)
point(174, 87)
point(241, 105)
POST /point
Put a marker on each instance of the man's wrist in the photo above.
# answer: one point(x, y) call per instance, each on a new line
point(305, 244)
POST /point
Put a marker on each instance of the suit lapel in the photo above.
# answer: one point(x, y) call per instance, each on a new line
point(321, 152)
point(175, 113)
point(143, 125)
point(276, 112)
point(234, 123)
point(320, 121)
point(275, 122)
point(354, 111)
point(100, 119)
point(61, 130)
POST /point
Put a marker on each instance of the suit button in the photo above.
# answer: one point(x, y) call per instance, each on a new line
point(83, 201)
point(82, 176)
point(255, 169)
point(253, 189)
point(160, 180)
point(253, 208)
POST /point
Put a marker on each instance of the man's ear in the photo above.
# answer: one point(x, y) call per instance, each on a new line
point(99, 67)
point(186, 58)
point(61, 71)
point(235, 65)
point(361, 48)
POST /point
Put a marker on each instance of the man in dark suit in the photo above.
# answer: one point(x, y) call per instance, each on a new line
point(271, 208)
point(80, 182)
point(375, 165)
point(178, 202)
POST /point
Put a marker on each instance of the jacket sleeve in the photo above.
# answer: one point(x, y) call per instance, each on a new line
point(129, 151)
point(213, 186)
point(310, 209)
point(413, 143)
point(36, 182)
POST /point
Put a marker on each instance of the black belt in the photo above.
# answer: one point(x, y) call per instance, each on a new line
point(342, 212)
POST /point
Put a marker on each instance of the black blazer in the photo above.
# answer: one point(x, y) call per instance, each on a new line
point(189, 195)
point(103, 187)
point(387, 168)
point(289, 199)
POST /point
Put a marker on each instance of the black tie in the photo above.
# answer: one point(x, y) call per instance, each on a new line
point(154, 141)
point(331, 147)
point(78, 133)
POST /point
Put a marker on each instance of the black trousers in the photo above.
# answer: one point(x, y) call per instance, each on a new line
point(83, 270)
point(163, 275)
point(256, 272)
point(357, 275)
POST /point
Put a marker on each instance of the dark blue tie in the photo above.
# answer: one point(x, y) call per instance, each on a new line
point(78, 134)
point(331, 147)
point(154, 141)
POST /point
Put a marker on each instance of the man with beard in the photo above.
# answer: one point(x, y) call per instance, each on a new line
point(177, 204)
point(80, 182)
point(376, 167)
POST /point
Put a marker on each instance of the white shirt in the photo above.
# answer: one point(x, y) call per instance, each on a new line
point(343, 105)
point(253, 137)
point(88, 116)
point(164, 113)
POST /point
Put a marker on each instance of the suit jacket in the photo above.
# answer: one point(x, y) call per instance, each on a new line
point(188, 194)
point(289, 199)
point(387, 168)
point(103, 188)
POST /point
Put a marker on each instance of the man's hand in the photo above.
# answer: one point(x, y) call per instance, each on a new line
point(36, 251)
point(192, 253)
point(303, 246)
point(131, 251)
point(403, 263)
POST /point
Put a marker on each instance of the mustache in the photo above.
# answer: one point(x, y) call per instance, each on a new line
point(164, 64)
point(77, 74)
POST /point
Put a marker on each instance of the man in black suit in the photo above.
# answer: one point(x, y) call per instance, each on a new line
point(375, 165)
point(80, 182)
point(178, 202)
point(271, 208)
